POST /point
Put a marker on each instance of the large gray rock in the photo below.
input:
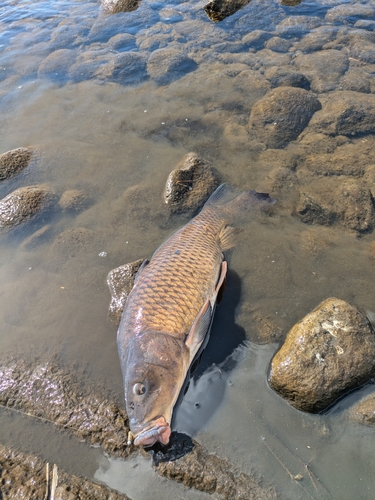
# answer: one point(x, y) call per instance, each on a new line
point(25, 203)
point(166, 65)
point(14, 161)
point(328, 353)
point(190, 184)
point(346, 113)
point(281, 115)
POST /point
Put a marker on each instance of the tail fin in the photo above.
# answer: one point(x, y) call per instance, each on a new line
point(232, 203)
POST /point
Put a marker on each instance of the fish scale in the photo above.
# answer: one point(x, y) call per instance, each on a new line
point(169, 296)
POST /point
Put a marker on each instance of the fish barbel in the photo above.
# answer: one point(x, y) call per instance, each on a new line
point(168, 313)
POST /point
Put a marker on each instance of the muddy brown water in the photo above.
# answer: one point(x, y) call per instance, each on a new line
point(118, 142)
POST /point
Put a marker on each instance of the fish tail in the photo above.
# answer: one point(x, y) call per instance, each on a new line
point(232, 203)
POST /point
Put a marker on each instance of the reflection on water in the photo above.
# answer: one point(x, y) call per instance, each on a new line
point(111, 106)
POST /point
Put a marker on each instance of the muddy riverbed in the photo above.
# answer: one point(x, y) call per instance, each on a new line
point(277, 98)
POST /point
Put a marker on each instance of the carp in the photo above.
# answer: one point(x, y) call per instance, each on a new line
point(168, 313)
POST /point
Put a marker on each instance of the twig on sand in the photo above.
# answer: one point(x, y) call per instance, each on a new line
point(55, 479)
point(47, 482)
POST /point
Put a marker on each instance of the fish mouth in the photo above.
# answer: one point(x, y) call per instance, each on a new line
point(158, 431)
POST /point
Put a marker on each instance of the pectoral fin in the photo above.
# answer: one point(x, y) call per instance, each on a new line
point(202, 323)
point(199, 329)
point(221, 283)
point(140, 269)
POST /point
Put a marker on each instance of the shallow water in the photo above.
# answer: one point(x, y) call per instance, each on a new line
point(106, 132)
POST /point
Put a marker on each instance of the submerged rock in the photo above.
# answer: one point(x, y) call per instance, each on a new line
point(72, 200)
point(349, 203)
point(120, 283)
point(346, 113)
point(14, 161)
point(217, 10)
point(364, 411)
point(328, 353)
point(55, 66)
point(315, 65)
point(129, 68)
point(24, 477)
point(281, 115)
point(280, 77)
point(190, 184)
point(69, 244)
point(167, 65)
point(24, 203)
point(43, 390)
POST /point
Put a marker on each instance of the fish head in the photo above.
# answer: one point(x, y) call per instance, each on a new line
point(154, 372)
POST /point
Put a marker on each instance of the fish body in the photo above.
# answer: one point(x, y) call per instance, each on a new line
point(168, 313)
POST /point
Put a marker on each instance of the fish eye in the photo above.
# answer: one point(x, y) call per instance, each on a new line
point(139, 389)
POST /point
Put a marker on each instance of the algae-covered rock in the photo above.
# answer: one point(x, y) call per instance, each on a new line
point(190, 184)
point(167, 65)
point(348, 202)
point(69, 244)
point(14, 161)
point(24, 203)
point(120, 283)
point(72, 200)
point(328, 353)
point(315, 65)
point(346, 113)
point(281, 115)
point(55, 66)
